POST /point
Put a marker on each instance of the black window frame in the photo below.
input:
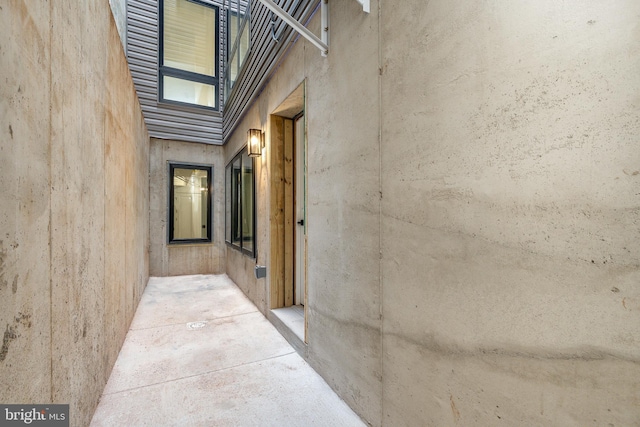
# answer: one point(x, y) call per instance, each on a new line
point(230, 190)
point(164, 71)
point(170, 207)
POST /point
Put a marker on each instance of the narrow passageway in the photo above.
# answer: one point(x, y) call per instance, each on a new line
point(199, 353)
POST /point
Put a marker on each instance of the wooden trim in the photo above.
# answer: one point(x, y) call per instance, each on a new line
point(276, 212)
point(281, 214)
point(289, 218)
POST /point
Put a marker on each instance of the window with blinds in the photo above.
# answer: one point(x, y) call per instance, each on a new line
point(189, 53)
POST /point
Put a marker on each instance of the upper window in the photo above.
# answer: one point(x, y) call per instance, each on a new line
point(189, 53)
point(240, 204)
point(238, 40)
point(189, 203)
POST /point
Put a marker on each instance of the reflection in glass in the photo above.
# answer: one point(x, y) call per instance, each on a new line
point(238, 41)
point(243, 45)
point(228, 198)
point(247, 202)
point(240, 203)
point(190, 204)
point(190, 92)
point(233, 68)
point(236, 213)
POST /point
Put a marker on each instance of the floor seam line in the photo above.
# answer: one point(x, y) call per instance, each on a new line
point(199, 374)
point(201, 320)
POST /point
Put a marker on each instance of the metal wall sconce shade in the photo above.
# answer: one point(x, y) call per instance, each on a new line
point(254, 142)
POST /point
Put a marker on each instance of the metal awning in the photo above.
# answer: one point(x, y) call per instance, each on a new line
point(321, 43)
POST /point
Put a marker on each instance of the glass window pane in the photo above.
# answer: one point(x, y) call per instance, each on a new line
point(180, 90)
point(189, 37)
point(190, 203)
point(240, 203)
point(232, 31)
point(238, 44)
point(236, 218)
point(233, 67)
point(247, 202)
point(243, 45)
point(227, 84)
point(228, 199)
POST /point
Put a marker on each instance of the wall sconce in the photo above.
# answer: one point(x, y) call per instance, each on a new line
point(254, 142)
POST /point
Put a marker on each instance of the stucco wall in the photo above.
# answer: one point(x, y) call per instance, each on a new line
point(177, 259)
point(74, 202)
point(487, 154)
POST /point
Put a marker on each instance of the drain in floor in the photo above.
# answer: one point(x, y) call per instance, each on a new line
point(196, 325)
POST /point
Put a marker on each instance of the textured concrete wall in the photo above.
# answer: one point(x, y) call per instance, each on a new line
point(74, 202)
point(511, 213)
point(487, 154)
point(343, 203)
point(343, 122)
point(238, 266)
point(177, 259)
point(25, 202)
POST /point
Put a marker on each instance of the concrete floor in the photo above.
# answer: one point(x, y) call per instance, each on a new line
point(199, 353)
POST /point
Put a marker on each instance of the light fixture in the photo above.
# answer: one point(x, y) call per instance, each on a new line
point(254, 142)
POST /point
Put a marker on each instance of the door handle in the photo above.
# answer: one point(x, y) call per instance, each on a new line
point(301, 222)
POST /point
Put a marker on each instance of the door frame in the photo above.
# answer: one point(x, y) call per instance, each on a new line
point(282, 220)
point(300, 212)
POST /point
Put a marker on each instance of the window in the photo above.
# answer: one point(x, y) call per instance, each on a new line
point(238, 40)
point(189, 53)
point(240, 211)
point(189, 203)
